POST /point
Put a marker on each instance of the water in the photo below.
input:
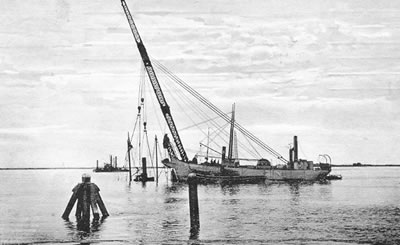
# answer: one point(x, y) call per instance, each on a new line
point(364, 207)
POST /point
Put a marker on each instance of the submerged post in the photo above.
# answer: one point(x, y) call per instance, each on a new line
point(144, 169)
point(71, 203)
point(88, 197)
point(85, 197)
point(193, 204)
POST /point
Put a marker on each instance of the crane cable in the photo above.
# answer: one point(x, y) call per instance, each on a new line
point(202, 113)
point(218, 111)
point(165, 70)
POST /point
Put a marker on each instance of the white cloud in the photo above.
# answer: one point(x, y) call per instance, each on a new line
point(292, 67)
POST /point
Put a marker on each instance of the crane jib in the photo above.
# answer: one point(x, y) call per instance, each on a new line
point(156, 87)
point(143, 51)
point(131, 22)
point(175, 135)
point(155, 84)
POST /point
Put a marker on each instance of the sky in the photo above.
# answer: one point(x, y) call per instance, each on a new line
point(326, 71)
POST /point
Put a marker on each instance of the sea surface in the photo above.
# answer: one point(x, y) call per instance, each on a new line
point(362, 208)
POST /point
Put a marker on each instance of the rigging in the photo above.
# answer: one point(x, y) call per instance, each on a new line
point(156, 85)
point(219, 112)
point(165, 107)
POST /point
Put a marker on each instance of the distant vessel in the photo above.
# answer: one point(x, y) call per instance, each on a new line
point(229, 169)
point(110, 167)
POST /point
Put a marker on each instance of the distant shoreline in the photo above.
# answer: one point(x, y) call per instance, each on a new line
point(46, 168)
point(333, 165)
point(366, 165)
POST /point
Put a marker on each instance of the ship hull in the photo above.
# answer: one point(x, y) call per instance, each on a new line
point(243, 174)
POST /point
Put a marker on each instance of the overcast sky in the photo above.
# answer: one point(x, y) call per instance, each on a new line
point(327, 71)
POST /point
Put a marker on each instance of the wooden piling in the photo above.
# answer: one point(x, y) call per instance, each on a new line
point(93, 201)
point(85, 218)
point(71, 202)
point(88, 197)
point(193, 203)
point(101, 205)
point(78, 212)
point(144, 169)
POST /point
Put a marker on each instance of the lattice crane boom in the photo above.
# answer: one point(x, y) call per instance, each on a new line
point(155, 84)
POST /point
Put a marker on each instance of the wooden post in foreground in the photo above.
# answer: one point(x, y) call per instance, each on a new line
point(71, 203)
point(88, 197)
point(84, 194)
point(193, 204)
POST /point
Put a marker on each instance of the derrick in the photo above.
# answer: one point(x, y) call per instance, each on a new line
point(156, 86)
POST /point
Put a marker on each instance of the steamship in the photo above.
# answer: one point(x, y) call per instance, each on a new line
point(295, 170)
point(229, 169)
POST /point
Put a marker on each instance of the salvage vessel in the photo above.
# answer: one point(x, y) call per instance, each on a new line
point(296, 170)
point(229, 169)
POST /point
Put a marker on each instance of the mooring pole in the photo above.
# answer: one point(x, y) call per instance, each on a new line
point(88, 197)
point(144, 169)
point(101, 205)
point(71, 203)
point(94, 190)
point(85, 218)
point(78, 212)
point(193, 204)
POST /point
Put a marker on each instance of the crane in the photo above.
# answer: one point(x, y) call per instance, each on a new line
point(156, 87)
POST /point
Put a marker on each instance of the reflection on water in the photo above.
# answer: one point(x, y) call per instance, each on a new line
point(357, 209)
point(80, 231)
point(171, 188)
point(194, 234)
point(294, 193)
point(230, 189)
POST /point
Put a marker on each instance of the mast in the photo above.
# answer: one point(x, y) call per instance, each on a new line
point(235, 153)
point(295, 149)
point(156, 143)
point(231, 136)
point(208, 143)
point(155, 84)
point(129, 157)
